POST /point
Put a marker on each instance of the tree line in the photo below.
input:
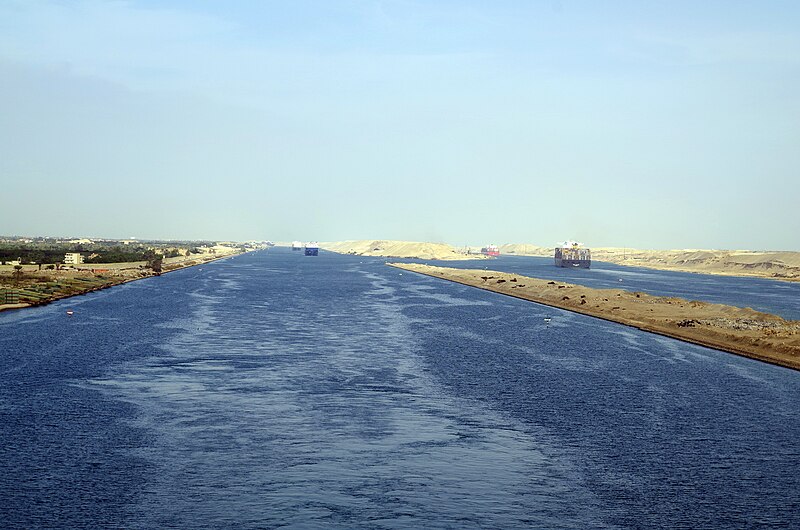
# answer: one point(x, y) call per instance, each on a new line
point(115, 254)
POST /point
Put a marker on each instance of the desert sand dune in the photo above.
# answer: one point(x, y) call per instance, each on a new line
point(398, 249)
point(782, 265)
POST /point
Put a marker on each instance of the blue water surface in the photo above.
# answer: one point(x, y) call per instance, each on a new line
point(278, 390)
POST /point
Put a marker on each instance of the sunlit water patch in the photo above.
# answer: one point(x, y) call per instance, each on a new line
point(330, 416)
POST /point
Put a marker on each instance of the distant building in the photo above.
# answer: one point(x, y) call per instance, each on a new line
point(81, 241)
point(73, 258)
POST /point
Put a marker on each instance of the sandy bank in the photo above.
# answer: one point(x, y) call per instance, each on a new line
point(742, 331)
point(3, 307)
point(774, 265)
point(398, 249)
point(784, 265)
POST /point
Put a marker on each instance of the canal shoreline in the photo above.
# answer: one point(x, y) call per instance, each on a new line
point(116, 281)
point(741, 331)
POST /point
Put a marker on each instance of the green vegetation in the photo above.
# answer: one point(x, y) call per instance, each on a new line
point(40, 291)
point(45, 252)
point(117, 254)
point(17, 274)
point(31, 253)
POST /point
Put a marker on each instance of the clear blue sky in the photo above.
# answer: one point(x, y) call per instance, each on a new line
point(641, 124)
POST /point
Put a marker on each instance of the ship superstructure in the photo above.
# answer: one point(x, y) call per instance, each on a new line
point(297, 245)
point(572, 254)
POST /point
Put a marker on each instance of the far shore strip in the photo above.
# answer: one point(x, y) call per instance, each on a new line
point(127, 272)
point(742, 331)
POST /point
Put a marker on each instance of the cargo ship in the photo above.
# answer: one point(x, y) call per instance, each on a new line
point(296, 245)
point(572, 254)
point(312, 249)
point(490, 250)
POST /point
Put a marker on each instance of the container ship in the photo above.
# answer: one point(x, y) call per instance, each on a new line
point(312, 249)
point(490, 250)
point(296, 245)
point(572, 254)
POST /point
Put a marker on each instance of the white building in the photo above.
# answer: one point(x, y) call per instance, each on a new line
point(73, 258)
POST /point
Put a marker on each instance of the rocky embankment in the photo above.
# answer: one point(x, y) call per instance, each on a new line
point(742, 331)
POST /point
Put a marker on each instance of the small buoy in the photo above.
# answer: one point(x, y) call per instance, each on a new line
point(620, 279)
point(70, 312)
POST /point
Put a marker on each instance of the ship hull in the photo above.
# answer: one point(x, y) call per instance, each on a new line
point(573, 257)
point(573, 263)
point(312, 251)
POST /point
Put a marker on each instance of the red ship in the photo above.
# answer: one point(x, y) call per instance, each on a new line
point(490, 250)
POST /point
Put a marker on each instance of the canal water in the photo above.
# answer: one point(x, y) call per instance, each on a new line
point(278, 390)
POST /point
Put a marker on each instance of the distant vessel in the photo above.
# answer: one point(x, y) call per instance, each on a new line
point(296, 245)
point(490, 250)
point(312, 249)
point(572, 254)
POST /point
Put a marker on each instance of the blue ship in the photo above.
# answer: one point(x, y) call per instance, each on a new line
point(312, 249)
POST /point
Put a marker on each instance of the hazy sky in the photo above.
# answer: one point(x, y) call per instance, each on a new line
point(642, 124)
